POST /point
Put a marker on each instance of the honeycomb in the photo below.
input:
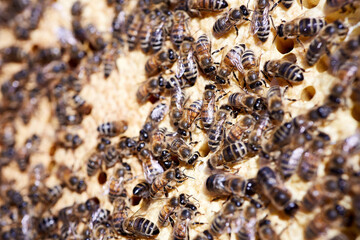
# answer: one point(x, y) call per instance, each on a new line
point(114, 98)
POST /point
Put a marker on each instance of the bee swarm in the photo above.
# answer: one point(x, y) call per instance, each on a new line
point(51, 142)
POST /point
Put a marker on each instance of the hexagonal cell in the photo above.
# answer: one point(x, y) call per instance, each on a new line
point(284, 46)
point(355, 112)
point(102, 178)
point(309, 3)
point(308, 93)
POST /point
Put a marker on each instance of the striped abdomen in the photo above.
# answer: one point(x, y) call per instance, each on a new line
point(234, 152)
point(291, 72)
point(310, 26)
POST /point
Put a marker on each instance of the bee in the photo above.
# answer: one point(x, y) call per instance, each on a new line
point(150, 166)
point(330, 217)
point(216, 132)
point(133, 26)
point(230, 61)
point(266, 231)
point(305, 27)
point(78, 30)
point(127, 146)
point(230, 154)
point(246, 101)
point(145, 32)
point(160, 60)
point(228, 213)
point(23, 156)
point(284, 69)
point(319, 45)
point(50, 195)
point(240, 128)
point(248, 226)
point(186, 63)
point(233, 18)
point(209, 5)
point(139, 227)
point(166, 181)
point(191, 114)
point(66, 139)
point(225, 184)
point(260, 24)
point(112, 129)
point(179, 27)
point(153, 86)
point(94, 37)
point(76, 9)
point(177, 102)
point(328, 188)
point(36, 176)
point(116, 184)
point(47, 224)
point(334, 5)
point(348, 72)
point(109, 58)
point(81, 105)
point(278, 195)
point(13, 54)
point(158, 33)
point(181, 227)
point(311, 160)
point(275, 104)
point(158, 141)
point(111, 156)
point(118, 26)
point(70, 180)
point(156, 115)
point(168, 210)
point(251, 71)
point(142, 190)
point(203, 55)
point(119, 214)
point(289, 161)
point(47, 55)
point(183, 150)
point(207, 114)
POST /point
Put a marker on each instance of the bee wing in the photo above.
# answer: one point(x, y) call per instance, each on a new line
point(255, 25)
point(235, 60)
point(180, 68)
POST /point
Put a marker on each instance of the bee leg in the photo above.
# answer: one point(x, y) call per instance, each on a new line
point(289, 99)
point(275, 5)
point(217, 51)
point(302, 45)
point(237, 31)
point(171, 220)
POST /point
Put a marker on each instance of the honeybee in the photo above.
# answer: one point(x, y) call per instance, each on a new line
point(150, 166)
point(176, 105)
point(181, 227)
point(179, 28)
point(70, 180)
point(127, 146)
point(284, 69)
point(229, 212)
point(203, 55)
point(186, 63)
point(153, 86)
point(156, 115)
point(112, 129)
point(66, 139)
point(260, 24)
point(335, 5)
point(118, 25)
point(233, 18)
point(116, 184)
point(139, 227)
point(111, 53)
point(275, 104)
point(133, 26)
point(230, 154)
point(331, 217)
point(226, 184)
point(111, 156)
point(142, 190)
point(328, 188)
point(247, 229)
point(169, 209)
point(279, 196)
point(349, 71)
point(145, 32)
point(191, 113)
point(159, 61)
point(266, 231)
point(240, 128)
point(13, 54)
point(76, 9)
point(158, 141)
point(81, 105)
point(196, 6)
point(216, 132)
point(36, 176)
point(158, 33)
point(166, 181)
point(47, 225)
point(305, 27)
point(247, 101)
point(319, 45)
point(311, 159)
point(50, 195)
point(289, 161)
point(207, 114)
point(23, 156)
point(120, 213)
point(252, 72)
point(183, 150)
point(231, 60)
